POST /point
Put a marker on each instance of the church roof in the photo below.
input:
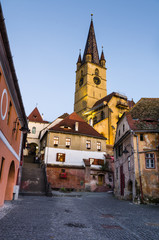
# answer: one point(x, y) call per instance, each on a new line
point(68, 126)
point(36, 117)
point(91, 46)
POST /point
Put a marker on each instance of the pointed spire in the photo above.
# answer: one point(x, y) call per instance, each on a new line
point(79, 58)
point(102, 55)
point(91, 45)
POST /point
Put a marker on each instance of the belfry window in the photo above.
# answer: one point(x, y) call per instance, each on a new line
point(97, 72)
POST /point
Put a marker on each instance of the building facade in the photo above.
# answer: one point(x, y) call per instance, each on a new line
point(36, 125)
point(74, 154)
point(12, 120)
point(137, 152)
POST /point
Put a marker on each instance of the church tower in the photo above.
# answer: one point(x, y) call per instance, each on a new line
point(90, 76)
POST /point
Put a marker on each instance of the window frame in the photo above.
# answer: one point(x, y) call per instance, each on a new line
point(56, 141)
point(68, 142)
point(60, 156)
point(33, 131)
point(150, 158)
point(88, 144)
point(99, 146)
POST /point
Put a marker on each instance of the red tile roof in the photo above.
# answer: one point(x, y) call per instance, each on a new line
point(36, 117)
point(68, 126)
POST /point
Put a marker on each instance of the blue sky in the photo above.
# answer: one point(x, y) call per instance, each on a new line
point(45, 38)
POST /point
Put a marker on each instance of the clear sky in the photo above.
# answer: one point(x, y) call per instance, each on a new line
point(45, 37)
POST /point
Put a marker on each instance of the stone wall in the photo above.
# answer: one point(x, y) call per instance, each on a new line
point(75, 177)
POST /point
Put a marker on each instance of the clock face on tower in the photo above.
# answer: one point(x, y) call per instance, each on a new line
point(97, 80)
point(81, 82)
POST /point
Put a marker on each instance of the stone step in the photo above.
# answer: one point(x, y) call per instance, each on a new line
point(31, 165)
point(33, 179)
point(102, 189)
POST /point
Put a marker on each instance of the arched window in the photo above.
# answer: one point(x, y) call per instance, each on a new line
point(102, 115)
point(33, 130)
point(96, 72)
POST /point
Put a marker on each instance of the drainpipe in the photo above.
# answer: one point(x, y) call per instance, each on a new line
point(138, 157)
point(134, 189)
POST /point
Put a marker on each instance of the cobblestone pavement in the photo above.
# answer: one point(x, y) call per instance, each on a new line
point(95, 216)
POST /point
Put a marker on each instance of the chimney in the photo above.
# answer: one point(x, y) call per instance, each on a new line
point(42, 116)
point(76, 126)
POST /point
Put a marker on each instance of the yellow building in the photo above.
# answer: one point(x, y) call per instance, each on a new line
point(92, 103)
point(90, 76)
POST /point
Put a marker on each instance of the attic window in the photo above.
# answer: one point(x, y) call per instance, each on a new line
point(65, 127)
point(34, 116)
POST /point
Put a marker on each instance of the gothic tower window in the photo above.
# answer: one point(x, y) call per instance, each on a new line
point(96, 72)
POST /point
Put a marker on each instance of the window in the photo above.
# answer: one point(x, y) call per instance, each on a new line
point(150, 160)
point(123, 127)
point(60, 157)
point(33, 130)
point(94, 161)
point(99, 146)
point(119, 150)
point(88, 144)
point(1, 166)
point(141, 137)
point(128, 163)
point(81, 73)
point(96, 72)
point(102, 115)
point(95, 120)
point(110, 177)
point(9, 112)
point(56, 141)
point(68, 142)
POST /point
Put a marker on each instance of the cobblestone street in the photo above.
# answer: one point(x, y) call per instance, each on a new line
point(92, 216)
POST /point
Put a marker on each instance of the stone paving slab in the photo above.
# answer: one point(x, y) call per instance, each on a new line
point(95, 216)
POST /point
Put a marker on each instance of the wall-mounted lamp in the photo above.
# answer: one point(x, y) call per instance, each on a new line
point(125, 151)
point(24, 129)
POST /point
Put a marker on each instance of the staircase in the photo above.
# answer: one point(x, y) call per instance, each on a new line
point(33, 178)
point(102, 189)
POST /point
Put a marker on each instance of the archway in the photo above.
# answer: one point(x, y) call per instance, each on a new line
point(10, 182)
point(32, 149)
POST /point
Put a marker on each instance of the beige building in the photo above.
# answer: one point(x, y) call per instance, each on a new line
point(74, 154)
point(136, 155)
point(36, 124)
